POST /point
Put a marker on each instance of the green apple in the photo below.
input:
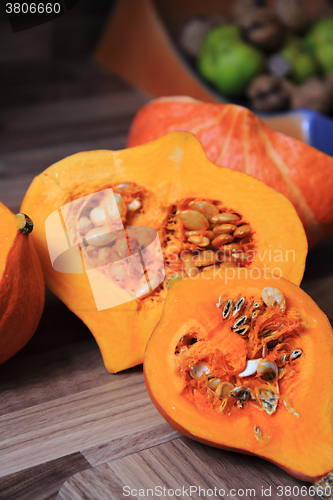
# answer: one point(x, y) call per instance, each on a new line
point(229, 63)
point(324, 54)
point(321, 33)
point(302, 61)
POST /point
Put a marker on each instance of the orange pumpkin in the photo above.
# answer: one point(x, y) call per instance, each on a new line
point(21, 283)
point(246, 365)
point(171, 186)
point(234, 137)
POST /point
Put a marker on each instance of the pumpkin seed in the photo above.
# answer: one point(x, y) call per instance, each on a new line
point(267, 370)
point(99, 237)
point(205, 258)
point(231, 248)
point(223, 404)
point(213, 383)
point(193, 220)
point(242, 330)
point(224, 389)
point(190, 268)
point(121, 248)
point(295, 354)
point(238, 306)
point(201, 241)
point(124, 187)
point(242, 393)
point(268, 400)
point(209, 234)
point(204, 207)
point(110, 208)
point(274, 297)
point(220, 240)
point(134, 205)
point(119, 272)
point(85, 225)
point(224, 217)
point(98, 216)
point(283, 359)
point(224, 229)
point(257, 432)
point(240, 322)
point(242, 231)
point(198, 370)
point(241, 257)
point(250, 368)
point(106, 255)
point(227, 309)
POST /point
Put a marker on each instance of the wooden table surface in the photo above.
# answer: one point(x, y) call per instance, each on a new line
point(69, 429)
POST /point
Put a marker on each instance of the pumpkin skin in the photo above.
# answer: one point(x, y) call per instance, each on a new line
point(170, 169)
point(21, 284)
point(303, 446)
point(234, 137)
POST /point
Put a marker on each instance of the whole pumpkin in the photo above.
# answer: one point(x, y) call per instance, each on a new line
point(234, 137)
point(21, 283)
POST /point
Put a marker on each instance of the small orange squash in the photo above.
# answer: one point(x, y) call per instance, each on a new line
point(169, 185)
point(21, 283)
point(246, 365)
point(234, 137)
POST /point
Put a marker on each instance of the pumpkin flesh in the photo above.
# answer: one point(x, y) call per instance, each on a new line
point(297, 435)
point(166, 176)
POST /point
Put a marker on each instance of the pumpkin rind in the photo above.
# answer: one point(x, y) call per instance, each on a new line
point(303, 446)
point(234, 137)
point(172, 168)
point(21, 285)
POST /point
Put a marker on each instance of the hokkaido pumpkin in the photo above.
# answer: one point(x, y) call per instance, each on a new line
point(234, 137)
point(21, 283)
point(246, 365)
point(205, 217)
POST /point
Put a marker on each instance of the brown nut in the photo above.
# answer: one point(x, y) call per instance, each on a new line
point(267, 93)
point(263, 28)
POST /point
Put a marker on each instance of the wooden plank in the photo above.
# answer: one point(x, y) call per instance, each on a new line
point(43, 481)
point(70, 112)
point(127, 445)
point(79, 421)
point(100, 482)
point(186, 466)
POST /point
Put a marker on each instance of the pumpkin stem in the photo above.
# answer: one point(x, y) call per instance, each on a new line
point(24, 224)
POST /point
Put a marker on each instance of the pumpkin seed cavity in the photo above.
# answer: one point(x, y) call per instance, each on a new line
point(196, 235)
point(204, 235)
point(272, 356)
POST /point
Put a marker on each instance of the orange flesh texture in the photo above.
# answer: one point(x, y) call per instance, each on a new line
point(174, 167)
point(302, 446)
point(21, 287)
point(234, 137)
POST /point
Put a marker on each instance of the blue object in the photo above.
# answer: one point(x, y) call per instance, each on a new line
point(318, 130)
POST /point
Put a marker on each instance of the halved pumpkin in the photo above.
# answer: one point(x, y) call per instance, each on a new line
point(246, 364)
point(169, 185)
